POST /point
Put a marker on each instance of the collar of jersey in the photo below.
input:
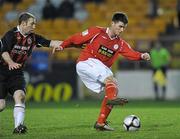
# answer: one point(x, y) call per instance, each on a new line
point(107, 30)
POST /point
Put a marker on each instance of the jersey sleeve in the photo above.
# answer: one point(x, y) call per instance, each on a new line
point(79, 39)
point(128, 52)
point(7, 42)
point(41, 41)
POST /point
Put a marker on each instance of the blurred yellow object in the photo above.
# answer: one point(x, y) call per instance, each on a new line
point(159, 78)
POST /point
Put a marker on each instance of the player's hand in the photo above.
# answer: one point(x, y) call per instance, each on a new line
point(56, 46)
point(59, 48)
point(145, 56)
point(14, 65)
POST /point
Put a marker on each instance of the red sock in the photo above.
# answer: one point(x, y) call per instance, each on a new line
point(105, 111)
point(111, 90)
point(111, 93)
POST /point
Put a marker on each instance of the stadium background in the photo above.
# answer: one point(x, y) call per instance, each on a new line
point(53, 78)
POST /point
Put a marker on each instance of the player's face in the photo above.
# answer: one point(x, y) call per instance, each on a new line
point(30, 25)
point(118, 27)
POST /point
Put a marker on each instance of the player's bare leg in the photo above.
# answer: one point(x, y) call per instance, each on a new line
point(19, 112)
point(2, 104)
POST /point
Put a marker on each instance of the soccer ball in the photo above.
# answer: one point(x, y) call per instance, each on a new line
point(131, 123)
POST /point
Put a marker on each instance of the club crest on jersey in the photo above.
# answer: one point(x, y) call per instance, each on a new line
point(84, 33)
point(29, 41)
point(116, 46)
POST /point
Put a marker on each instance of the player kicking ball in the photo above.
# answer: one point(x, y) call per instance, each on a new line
point(103, 46)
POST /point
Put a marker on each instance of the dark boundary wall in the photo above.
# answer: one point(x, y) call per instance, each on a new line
point(58, 83)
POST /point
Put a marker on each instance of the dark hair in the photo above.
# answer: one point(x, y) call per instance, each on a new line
point(119, 16)
point(24, 17)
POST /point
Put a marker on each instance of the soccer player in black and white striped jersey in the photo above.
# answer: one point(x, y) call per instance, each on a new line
point(16, 46)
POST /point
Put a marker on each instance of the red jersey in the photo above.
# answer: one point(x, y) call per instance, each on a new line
point(100, 45)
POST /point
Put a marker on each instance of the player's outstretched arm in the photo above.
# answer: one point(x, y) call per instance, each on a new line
point(78, 39)
point(12, 65)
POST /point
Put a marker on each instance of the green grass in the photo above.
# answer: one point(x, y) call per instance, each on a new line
point(74, 120)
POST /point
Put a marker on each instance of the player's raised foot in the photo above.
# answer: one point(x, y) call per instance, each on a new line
point(103, 127)
point(21, 129)
point(117, 101)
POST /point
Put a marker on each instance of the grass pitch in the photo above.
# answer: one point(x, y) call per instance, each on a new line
point(75, 120)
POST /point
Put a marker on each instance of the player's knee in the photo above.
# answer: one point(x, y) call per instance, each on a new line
point(110, 79)
point(19, 96)
point(111, 85)
point(2, 105)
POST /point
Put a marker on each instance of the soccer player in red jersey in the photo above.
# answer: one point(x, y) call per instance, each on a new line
point(15, 48)
point(103, 46)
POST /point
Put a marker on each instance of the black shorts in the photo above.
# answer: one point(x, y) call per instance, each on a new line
point(163, 69)
point(10, 82)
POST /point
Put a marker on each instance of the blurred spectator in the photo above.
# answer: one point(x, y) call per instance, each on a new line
point(80, 12)
point(11, 15)
point(153, 8)
point(49, 10)
point(160, 58)
point(66, 9)
point(178, 12)
point(171, 27)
